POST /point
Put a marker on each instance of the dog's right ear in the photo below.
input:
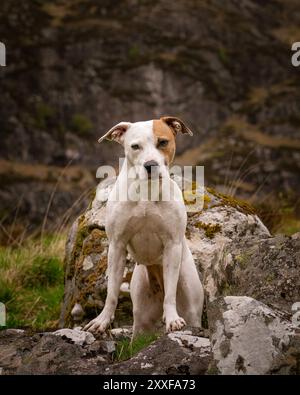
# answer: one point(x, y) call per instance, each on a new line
point(116, 133)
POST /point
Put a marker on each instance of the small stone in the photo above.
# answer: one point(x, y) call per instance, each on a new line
point(125, 288)
point(77, 312)
point(121, 332)
point(296, 236)
point(146, 365)
point(100, 359)
point(76, 336)
point(108, 346)
point(186, 339)
point(87, 263)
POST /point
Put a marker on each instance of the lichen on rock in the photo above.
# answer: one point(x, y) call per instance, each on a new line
point(248, 337)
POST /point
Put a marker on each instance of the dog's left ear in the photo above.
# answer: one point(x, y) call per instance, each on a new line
point(176, 125)
point(116, 133)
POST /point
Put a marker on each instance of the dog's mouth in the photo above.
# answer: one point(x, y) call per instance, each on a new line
point(155, 176)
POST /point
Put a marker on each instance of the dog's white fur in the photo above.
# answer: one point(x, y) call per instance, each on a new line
point(165, 282)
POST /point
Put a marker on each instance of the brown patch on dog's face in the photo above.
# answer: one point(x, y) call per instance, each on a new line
point(164, 139)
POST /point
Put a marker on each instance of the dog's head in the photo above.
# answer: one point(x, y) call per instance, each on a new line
point(150, 145)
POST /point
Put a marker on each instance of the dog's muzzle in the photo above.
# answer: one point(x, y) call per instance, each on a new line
point(151, 167)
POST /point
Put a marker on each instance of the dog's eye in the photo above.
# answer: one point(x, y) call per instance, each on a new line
point(162, 143)
point(135, 147)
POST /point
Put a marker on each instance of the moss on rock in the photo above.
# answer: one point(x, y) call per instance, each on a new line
point(226, 200)
point(209, 229)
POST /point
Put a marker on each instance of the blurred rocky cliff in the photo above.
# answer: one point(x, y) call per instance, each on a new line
point(77, 67)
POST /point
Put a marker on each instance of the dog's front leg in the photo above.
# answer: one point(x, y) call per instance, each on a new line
point(171, 267)
point(116, 265)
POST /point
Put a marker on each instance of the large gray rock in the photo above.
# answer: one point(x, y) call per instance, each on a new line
point(248, 337)
point(219, 226)
point(267, 270)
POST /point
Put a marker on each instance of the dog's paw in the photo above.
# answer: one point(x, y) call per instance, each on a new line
point(175, 324)
point(99, 324)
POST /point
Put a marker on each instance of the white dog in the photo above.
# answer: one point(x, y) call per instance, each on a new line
point(165, 283)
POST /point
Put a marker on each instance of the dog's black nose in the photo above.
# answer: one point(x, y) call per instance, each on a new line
point(148, 165)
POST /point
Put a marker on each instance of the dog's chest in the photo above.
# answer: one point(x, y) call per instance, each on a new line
point(148, 232)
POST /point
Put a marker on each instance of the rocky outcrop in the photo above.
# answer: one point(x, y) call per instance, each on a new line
point(251, 284)
point(253, 332)
point(218, 227)
point(245, 337)
point(248, 337)
point(49, 353)
point(64, 352)
point(256, 331)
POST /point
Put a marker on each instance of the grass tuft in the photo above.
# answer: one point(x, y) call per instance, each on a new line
point(7, 292)
point(126, 349)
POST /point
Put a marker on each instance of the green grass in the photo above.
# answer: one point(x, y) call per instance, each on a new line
point(43, 272)
point(31, 283)
point(280, 214)
point(125, 349)
point(289, 226)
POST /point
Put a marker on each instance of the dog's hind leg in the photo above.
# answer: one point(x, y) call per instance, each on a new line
point(147, 298)
point(190, 294)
